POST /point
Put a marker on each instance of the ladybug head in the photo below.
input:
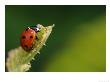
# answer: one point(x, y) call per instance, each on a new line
point(36, 28)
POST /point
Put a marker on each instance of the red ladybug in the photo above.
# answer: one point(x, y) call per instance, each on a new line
point(28, 37)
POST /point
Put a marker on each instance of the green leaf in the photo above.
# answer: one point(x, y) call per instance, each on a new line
point(19, 60)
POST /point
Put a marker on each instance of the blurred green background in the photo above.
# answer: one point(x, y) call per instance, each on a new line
point(77, 42)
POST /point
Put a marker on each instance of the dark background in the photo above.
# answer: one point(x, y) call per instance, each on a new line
point(77, 42)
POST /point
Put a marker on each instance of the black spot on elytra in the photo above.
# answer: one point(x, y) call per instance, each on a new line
point(31, 36)
point(23, 37)
point(25, 46)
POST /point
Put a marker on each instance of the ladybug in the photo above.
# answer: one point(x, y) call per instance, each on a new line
point(28, 37)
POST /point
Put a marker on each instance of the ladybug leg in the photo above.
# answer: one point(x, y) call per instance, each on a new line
point(37, 38)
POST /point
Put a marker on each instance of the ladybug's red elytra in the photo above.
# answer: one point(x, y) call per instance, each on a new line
point(28, 37)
